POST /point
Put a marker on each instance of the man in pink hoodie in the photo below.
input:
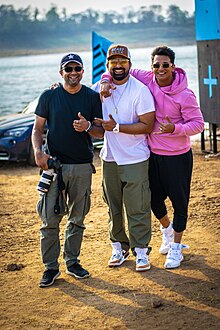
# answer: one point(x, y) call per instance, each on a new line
point(178, 117)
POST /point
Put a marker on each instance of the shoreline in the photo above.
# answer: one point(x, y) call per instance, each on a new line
point(29, 52)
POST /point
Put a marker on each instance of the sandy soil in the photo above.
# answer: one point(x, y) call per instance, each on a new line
point(186, 298)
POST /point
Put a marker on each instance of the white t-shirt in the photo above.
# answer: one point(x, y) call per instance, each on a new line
point(128, 101)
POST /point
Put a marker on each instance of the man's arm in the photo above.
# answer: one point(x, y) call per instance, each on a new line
point(192, 116)
point(97, 130)
point(106, 81)
point(37, 142)
point(144, 126)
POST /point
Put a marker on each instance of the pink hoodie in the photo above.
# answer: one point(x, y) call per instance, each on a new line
point(179, 103)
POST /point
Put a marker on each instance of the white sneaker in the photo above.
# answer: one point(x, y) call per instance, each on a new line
point(118, 255)
point(167, 238)
point(174, 256)
point(142, 259)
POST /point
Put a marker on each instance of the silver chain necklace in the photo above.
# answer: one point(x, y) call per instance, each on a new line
point(115, 110)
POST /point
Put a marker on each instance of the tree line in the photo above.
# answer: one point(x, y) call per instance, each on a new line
point(28, 27)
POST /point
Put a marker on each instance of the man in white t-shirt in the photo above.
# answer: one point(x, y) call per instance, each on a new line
point(128, 117)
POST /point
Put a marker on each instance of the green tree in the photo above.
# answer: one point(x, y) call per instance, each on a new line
point(175, 16)
point(52, 17)
point(25, 28)
point(36, 14)
point(146, 17)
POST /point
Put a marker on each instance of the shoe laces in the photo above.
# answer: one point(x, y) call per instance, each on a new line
point(142, 257)
point(175, 253)
point(116, 253)
point(77, 266)
point(141, 254)
point(45, 274)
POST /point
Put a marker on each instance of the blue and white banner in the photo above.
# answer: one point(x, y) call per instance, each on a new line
point(100, 46)
point(207, 17)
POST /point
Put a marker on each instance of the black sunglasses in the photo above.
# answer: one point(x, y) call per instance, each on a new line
point(164, 65)
point(69, 69)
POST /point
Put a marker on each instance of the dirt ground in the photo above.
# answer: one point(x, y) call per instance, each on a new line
point(185, 298)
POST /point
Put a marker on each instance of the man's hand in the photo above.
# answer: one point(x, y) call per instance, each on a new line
point(168, 127)
point(82, 124)
point(41, 159)
point(55, 85)
point(108, 125)
point(105, 88)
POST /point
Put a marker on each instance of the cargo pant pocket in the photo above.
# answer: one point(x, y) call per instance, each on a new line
point(41, 207)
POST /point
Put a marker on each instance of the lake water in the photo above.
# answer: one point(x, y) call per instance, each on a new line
point(23, 78)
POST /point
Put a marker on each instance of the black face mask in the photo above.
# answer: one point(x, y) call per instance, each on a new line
point(120, 76)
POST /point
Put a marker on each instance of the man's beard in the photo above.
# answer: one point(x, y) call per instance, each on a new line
point(120, 76)
point(73, 81)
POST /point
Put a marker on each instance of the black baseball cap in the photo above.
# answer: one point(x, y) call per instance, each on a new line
point(70, 58)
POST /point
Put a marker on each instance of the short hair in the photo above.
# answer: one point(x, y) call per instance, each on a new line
point(163, 50)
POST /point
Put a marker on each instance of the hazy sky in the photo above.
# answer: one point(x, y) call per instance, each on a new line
point(73, 6)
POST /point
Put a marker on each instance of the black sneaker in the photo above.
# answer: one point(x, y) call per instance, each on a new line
point(77, 271)
point(49, 277)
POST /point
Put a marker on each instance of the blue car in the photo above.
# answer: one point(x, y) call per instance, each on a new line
point(15, 136)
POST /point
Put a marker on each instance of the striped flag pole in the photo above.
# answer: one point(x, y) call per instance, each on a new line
point(100, 46)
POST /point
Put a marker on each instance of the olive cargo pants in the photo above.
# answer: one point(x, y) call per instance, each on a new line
point(77, 179)
point(127, 187)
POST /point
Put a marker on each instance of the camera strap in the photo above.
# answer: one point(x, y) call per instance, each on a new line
point(61, 191)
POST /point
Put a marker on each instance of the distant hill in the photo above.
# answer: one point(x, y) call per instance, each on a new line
point(133, 38)
point(23, 33)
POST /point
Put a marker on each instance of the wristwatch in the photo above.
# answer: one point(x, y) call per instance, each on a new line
point(116, 129)
point(89, 127)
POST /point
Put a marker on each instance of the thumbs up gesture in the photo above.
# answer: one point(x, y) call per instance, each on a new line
point(82, 124)
point(168, 127)
point(108, 125)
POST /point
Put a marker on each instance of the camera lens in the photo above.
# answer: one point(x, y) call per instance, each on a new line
point(45, 181)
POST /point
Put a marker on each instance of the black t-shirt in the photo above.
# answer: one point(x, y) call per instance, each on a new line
point(61, 108)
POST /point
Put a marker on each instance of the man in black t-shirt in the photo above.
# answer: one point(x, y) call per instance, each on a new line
point(69, 111)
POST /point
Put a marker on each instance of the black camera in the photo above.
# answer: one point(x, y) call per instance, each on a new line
point(54, 163)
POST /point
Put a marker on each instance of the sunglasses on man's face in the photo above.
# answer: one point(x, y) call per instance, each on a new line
point(121, 61)
point(164, 65)
point(69, 69)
